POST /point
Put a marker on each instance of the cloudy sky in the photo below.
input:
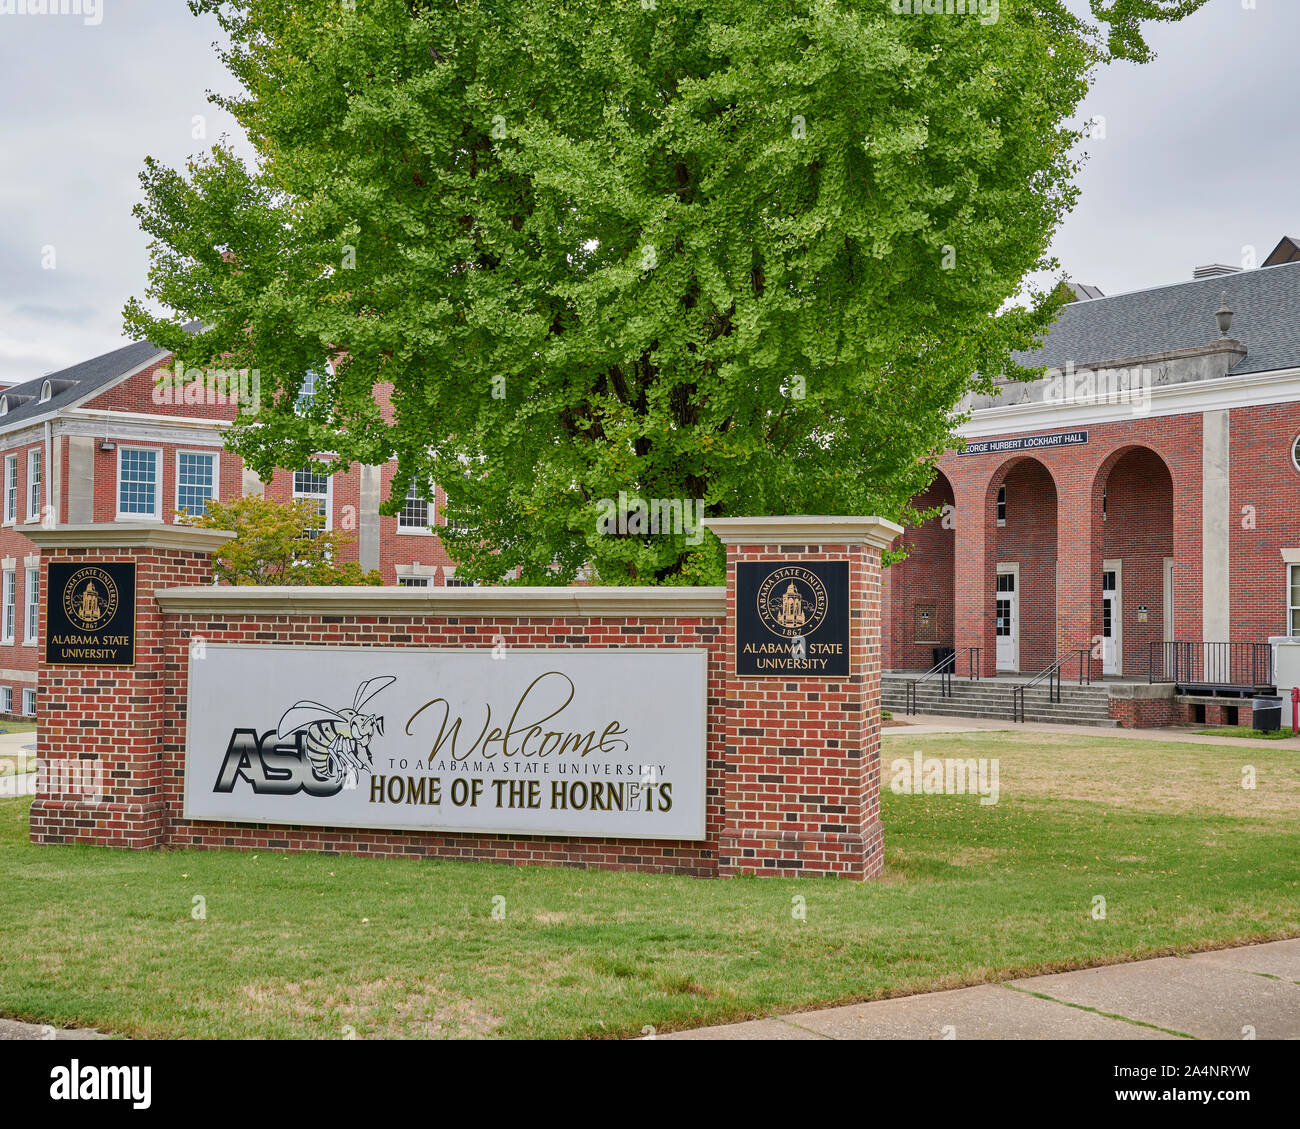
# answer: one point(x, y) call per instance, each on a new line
point(1199, 158)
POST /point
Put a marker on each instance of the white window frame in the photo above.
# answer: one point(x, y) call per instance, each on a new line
point(35, 482)
point(414, 582)
point(6, 699)
point(8, 604)
point(11, 489)
point(29, 695)
point(31, 606)
point(214, 459)
point(425, 530)
point(329, 494)
point(1291, 608)
point(158, 485)
point(1000, 507)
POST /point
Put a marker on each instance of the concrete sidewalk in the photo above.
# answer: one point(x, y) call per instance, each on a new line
point(1248, 992)
point(12, 745)
point(922, 725)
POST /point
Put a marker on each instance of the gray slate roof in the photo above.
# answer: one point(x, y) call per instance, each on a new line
point(1265, 301)
point(78, 380)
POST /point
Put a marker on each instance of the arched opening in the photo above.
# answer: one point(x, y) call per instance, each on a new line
point(1136, 582)
point(1020, 565)
point(921, 587)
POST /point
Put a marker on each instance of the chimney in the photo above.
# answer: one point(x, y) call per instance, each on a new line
point(1214, 270)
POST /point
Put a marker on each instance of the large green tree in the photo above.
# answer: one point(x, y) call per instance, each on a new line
point(750, 254)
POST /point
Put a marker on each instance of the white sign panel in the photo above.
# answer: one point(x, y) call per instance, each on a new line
point(597, 743)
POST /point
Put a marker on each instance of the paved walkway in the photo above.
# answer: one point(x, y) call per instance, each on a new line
point(1253, 991)
point(12, 747)
point(920, 725)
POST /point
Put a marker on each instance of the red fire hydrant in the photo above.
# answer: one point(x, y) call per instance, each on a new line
point(1295, 710)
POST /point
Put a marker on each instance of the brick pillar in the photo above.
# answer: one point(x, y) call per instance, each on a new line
point(1078, 575)
point(802, 792)
point(100, 732)
point(975, 575)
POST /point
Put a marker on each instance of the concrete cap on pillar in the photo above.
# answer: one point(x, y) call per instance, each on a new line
point(128, 535)
point(802, 530)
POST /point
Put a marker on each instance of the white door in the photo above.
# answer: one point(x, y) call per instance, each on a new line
point(1110, 612)
point(1007, 612)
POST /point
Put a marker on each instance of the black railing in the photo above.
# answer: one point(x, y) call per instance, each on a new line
point(1053, 676)
point(944, 670)
point(1243, 666)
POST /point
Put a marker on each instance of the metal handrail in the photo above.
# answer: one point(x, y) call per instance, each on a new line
point(1197, 662)
point(1053, 676)
point(945, 668)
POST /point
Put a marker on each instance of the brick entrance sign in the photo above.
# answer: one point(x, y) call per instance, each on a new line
point(704, 731)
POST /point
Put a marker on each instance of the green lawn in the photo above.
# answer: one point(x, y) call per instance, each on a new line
point(301, 945)
point(1238, 731)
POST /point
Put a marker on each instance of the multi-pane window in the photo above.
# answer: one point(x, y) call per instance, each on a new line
point(137, 482)
point(1002, 505)
point(6, 699)
point(1107, 624)
point(34, 483)
point(195, 481)
point(413, 582)
point(417, 512)
point(308, 483)
point(33, 604)
point(7, 591)
point(11, 488)
point(453, 582)
point(1006, 584)
point(307, 390)
point(29, 703)
point(1294, 588)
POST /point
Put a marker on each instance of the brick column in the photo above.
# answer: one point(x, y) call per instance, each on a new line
point(975, 574)
point(1078, 575)
point(100, 728)
point(802, 790)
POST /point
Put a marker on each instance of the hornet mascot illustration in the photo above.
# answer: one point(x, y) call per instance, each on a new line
point(337, 740)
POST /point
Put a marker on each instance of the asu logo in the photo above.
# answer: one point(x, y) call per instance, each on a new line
point(90, 598)
point(792, 602)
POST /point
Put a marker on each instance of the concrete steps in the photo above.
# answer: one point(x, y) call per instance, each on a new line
point(992, 698)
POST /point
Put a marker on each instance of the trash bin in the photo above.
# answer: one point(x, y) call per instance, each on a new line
point(949, 653)
point(1266, 714)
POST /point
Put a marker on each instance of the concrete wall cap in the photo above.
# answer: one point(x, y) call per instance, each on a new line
point(805, 530)
point(548, 602)
point(1136, 690)
point(126, 535)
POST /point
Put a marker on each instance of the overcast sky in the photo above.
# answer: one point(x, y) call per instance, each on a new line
point(1199, 158)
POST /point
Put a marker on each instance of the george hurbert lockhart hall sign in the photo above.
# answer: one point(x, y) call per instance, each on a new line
point(534, 742)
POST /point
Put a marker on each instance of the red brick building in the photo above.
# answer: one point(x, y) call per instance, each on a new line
point(106, 440)
point(1140, 501)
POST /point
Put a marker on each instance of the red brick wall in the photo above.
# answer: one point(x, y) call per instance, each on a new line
point(803, 779)
point(687, 857)
point(19, 655)
point(925, 576)
point(1029, 539)
point(1143, 713)
point(1263, 478)
point(229, 475)
point(1138, 531)
point(113, 716)
point(1079, 474)
point(142, 394)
